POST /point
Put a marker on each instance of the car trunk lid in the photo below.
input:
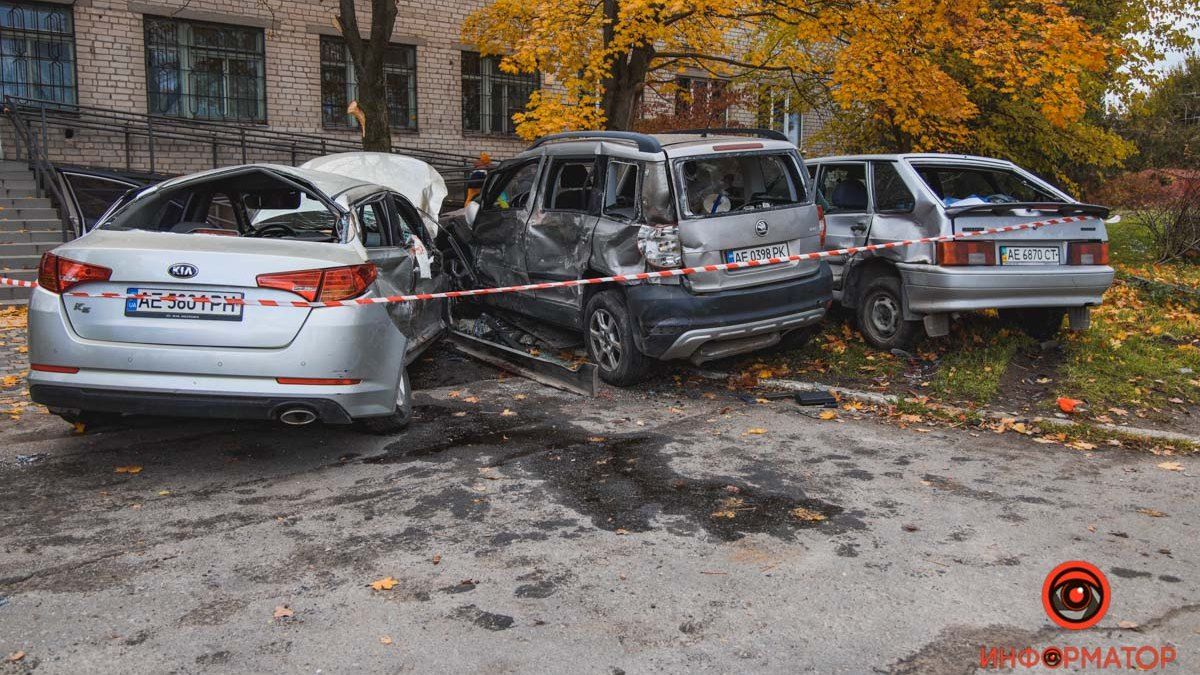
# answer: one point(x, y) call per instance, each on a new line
point(142, 262)
point(1029, 246)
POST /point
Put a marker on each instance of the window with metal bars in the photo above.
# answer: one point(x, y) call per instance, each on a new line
point(339, 84)
point(37, 52)
point(208, 71)
point(490, 96)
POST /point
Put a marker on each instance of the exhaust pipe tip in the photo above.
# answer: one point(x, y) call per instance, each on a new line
point(297, 417)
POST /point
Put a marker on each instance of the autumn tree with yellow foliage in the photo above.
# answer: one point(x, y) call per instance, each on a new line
point(1023, 79)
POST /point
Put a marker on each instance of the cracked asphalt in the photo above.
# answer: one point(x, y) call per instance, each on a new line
point(644, 530)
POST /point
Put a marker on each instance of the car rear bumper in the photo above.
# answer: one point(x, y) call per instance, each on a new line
point(932, 289)
point(358, 344)
point(673, 323)
point(175, 404)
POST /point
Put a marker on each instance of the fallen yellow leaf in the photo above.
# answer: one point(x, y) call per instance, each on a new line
point(385, 639)
point(809, 515)
point(384, 584)
point(828, 415)
point(1171, 466)
point(133, 469)
point(284, 612)
point(1153, 513)
point(756, 431)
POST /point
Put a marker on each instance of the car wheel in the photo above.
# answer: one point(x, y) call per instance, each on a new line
point(608, 332)
point(1039, 323)
point(881, 315)
point(398, 420)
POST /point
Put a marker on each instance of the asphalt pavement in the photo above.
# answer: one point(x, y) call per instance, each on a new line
point(514, 528)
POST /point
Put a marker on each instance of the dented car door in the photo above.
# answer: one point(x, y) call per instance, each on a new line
point(497, 237)
point(558, 235)
point(392, 260)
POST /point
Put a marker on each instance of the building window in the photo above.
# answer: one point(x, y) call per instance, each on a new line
point(703, 98)
point(339, 84)
point(205, 71)
point(490, 96)
point(37, 51)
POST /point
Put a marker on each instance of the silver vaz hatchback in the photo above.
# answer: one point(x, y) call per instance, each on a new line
point(237, 236)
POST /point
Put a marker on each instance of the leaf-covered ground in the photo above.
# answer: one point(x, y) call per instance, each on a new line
point(1138, 364)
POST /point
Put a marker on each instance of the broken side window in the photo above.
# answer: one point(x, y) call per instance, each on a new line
point(622, 187)
point(372, 221)
point(569, 187)
point(511, 188)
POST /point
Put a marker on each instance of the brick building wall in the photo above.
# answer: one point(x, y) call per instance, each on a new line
point(110, 67)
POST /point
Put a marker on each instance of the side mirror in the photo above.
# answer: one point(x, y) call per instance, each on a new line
point(472, 211)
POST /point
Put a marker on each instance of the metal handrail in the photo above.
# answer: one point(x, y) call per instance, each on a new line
point(155, 128)
point(44, 173)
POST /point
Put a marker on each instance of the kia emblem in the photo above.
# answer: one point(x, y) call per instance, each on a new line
point(761, 227)
point(183, 270)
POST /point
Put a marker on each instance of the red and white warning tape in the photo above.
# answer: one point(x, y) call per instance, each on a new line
point(619, 278)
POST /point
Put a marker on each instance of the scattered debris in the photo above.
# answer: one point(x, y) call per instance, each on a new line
point(1070, 405)
point(132, 469)
point(909, 527)
point(385, 639)
point(1153, 513)
point(16, 656)
point(437, 558)
point(284, 612)
point(1127, 625)
point(27, 460)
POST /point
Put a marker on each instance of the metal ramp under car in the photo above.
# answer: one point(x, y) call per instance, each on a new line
point(522, 349)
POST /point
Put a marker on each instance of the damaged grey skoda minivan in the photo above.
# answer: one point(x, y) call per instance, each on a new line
point(591, 204)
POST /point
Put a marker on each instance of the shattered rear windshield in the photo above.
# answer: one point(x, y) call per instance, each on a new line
point(252, 204)
point(967, 186)
point(724, 183)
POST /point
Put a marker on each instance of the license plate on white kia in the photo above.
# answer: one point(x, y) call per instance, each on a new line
point(1029, 255)
point(161, 303)
point(740, 255)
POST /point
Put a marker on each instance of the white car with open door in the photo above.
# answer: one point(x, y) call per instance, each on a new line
point(236, 236)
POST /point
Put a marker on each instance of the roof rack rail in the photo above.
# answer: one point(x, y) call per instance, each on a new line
point(645, 143)
point(735, 131)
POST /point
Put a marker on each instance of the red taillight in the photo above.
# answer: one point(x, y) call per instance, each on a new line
point(324, 285)
point(45, 368)
point(317, 380)
point(59, 275)
point(953, 253)
point(1087, 253)
point(821, 220)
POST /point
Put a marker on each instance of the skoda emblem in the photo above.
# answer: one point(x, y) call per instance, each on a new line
point(183, 270)
point(761, 227)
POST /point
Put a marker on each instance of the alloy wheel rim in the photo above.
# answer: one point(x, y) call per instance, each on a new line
point(605, 339)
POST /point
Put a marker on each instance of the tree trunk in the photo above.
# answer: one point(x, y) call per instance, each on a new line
point(367, 57)
point(626, 80)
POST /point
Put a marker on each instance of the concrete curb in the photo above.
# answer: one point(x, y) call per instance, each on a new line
point(891, 399)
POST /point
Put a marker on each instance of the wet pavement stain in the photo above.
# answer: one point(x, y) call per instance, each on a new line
point(623, 484)
point(488, 620)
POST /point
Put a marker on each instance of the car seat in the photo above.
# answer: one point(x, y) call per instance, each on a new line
point(850, 195)
point(572, 190)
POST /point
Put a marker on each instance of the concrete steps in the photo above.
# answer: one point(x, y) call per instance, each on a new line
point(29, 226)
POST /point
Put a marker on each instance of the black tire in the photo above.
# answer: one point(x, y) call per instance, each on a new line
point(608, 333)
point(880, 315)
point(1039, 323)
point(398, 420)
